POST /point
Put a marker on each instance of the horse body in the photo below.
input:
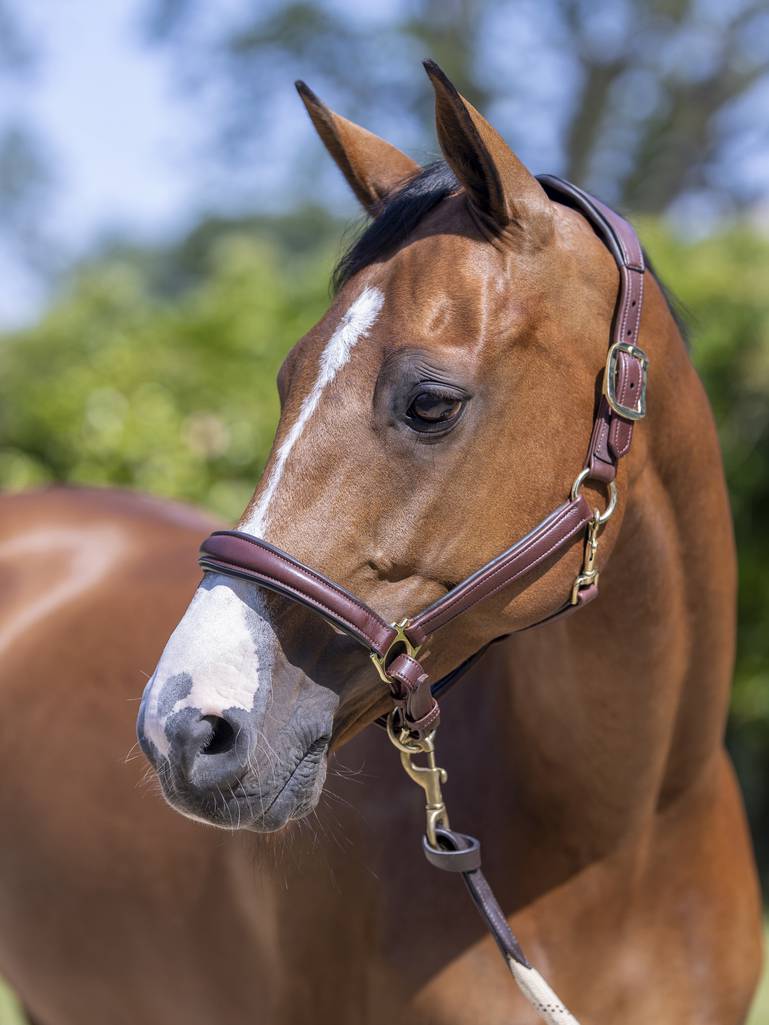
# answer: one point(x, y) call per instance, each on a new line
point(587, 754)
point(593, 772)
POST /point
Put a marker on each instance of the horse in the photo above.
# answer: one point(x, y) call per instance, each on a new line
point(438, 408)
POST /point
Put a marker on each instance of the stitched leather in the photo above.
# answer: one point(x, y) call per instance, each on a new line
point(548, 537)
point(461, 853)
point(490, 911)
point(612, 433)
point(407, 671)
point(628, 388)
point(420, 726)
point(234, 552)
point(239, 554)
point(417, 708)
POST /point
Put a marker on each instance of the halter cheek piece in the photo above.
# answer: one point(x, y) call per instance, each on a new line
point(394, 647)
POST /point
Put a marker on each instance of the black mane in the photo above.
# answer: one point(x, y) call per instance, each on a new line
point(402, 212)
point(399, 216)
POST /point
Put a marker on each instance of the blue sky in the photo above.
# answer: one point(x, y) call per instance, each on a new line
point(107, 107)
point(117, 133)
point(128, 149)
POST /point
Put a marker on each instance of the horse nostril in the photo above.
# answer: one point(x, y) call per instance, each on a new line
point(222, 736)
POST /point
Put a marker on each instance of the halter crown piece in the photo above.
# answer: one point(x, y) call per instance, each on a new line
point(394, 647)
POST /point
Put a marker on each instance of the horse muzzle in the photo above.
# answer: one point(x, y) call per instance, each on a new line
point(222, 770)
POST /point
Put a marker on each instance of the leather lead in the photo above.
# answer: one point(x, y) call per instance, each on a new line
point(459, 852)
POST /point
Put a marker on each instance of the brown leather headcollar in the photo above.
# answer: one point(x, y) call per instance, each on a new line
point(394, 647)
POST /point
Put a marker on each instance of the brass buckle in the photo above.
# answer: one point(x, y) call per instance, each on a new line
point(637, 412)
point(381, 661)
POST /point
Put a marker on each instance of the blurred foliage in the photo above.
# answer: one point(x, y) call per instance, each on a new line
point(25, 176)
point(643, 101)
point(157, 371)
point(120, 385)
point(722, 281)
point(653, 104)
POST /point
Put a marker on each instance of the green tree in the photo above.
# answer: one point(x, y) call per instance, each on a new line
point(722, 280)
point(176, 397)
point(644, 101)
point(24, 172)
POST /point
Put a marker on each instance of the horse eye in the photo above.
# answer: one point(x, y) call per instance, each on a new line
point(433, 410)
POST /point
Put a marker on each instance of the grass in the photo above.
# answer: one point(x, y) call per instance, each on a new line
point(760, 1013)
point(10, 1013)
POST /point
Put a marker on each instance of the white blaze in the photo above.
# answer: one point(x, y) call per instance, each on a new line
point(225, 640)
point(354, 325)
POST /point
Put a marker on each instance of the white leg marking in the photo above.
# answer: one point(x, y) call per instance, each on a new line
point(354, 325)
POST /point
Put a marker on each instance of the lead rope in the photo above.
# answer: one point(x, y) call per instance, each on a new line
point(540, 995)
point(444, 847)
point(457, 852)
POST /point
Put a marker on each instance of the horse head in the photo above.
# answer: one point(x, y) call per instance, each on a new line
point(441, 405)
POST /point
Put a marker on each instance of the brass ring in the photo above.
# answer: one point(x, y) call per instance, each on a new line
point(410, 746)
point(582, 476)
point(411, 649)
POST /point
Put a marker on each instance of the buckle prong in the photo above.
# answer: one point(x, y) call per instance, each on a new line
point(637, 412)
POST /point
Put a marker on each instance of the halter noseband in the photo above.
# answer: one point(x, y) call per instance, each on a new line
point(394, 647)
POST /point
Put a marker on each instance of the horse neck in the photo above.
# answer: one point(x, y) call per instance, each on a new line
point(601, 720)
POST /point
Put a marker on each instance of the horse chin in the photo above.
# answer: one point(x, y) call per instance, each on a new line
point(253, 804)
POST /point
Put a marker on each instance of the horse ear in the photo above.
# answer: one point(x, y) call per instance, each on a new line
point(373, 168)
point(495, 180)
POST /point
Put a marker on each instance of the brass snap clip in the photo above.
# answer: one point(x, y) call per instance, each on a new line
point(429, 777)
point(588, 575)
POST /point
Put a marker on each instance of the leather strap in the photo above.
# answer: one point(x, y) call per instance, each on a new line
point(461, 853)
point(612, 433)
point(241, 555)
point(236, 553)
point(419, 728)
point(551, 535)
point(414, 699)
